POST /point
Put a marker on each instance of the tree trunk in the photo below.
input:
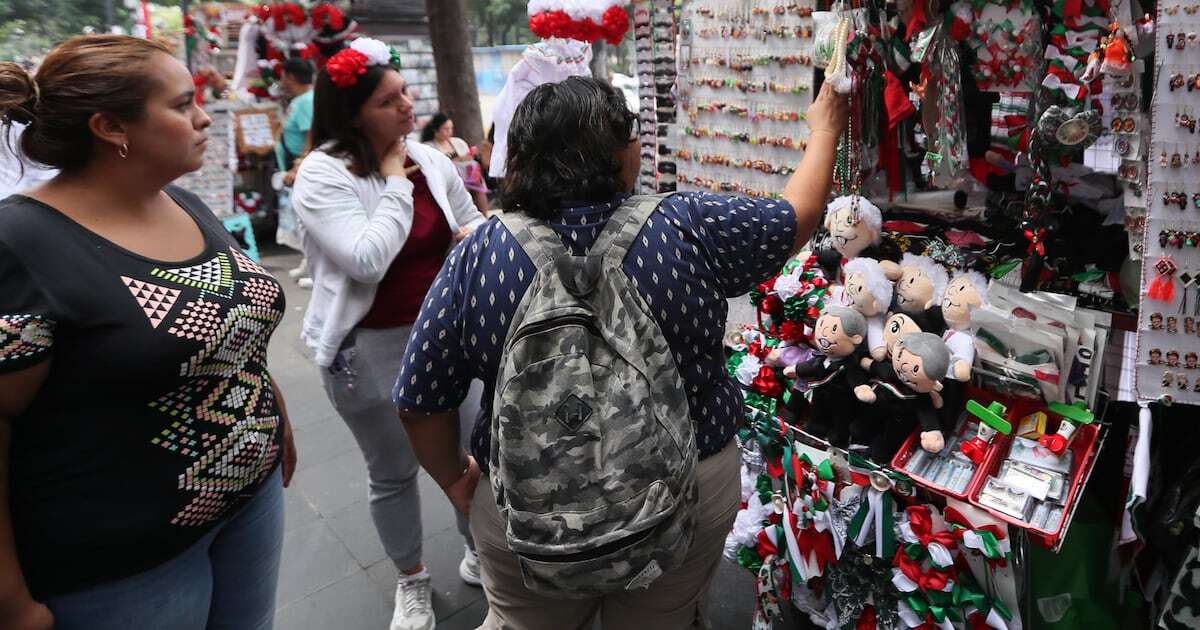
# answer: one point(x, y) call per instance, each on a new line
point(599, 63)
point(450, 34)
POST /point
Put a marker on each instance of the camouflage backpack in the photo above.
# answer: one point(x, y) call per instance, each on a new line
point(593, 454)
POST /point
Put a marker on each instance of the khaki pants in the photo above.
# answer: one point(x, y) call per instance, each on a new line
point(678, 599)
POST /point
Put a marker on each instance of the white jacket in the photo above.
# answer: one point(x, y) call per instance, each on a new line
point(353, 229)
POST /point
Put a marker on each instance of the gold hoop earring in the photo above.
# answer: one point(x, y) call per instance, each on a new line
point(123, 151)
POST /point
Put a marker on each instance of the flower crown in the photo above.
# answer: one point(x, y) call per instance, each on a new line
point(583, 20)
point(345, 67)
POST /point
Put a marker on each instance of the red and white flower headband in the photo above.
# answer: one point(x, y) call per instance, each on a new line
point(348, 64)
point(583, 20)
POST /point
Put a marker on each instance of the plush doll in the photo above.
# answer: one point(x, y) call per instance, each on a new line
point(921, 285)
point(894, 327)
point(836, 373)
point(867, 290)
point(854, 224)
point(910, 397)
point(965, 292)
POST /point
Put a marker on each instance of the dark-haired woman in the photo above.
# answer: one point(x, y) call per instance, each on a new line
point(573, 158)
point(140, 432)
point(380, 214)
point(439, 134)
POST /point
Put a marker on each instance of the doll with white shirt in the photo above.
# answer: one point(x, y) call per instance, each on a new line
point(921, 285)
point(867, 289)
point(966, 292)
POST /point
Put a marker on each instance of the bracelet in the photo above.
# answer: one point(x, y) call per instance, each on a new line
point(743, 111)
point(782, 142)
point(761, 166)
point(751, 86)
point(727, 187)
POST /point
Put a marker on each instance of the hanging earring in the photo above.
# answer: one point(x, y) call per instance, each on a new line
point(1163, 287)
point(1162, 159)
point(123, 151)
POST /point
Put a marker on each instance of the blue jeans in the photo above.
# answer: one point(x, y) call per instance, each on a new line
point(226, 581)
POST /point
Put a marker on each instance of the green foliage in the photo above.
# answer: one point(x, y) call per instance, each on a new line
point(29, 28)
point(499, 22)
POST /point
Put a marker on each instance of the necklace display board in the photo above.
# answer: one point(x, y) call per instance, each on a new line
point(745, 82)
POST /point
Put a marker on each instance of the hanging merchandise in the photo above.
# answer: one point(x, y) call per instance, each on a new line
point(277, 31)
point(935, 386)
point(745, 82)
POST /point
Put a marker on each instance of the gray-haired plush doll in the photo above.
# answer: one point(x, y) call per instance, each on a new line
point(836, 373)
point(919, 363)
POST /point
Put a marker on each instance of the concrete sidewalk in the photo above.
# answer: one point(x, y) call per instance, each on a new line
point(335, 575)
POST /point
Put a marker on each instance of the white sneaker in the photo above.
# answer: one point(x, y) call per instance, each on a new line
point(414, 603)
point(468, 569)
point(305, 283)
point(300, 271)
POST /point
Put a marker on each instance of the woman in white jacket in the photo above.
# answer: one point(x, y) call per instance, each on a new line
point(380, 215)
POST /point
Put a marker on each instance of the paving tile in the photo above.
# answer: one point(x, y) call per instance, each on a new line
point(305, 398)
point(731, 597)
point(313, 558)
point(334, 484)
point(351, 603)
point(468, 618)
point(297, 511)
point(437, 514)
point(321, 441)
point(354, 527)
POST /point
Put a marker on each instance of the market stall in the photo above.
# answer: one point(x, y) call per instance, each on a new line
point(958, 381)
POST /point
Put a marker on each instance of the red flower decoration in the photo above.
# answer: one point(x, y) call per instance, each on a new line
point(345, 67)
point(766, 383)
point(791, 331)
point(329, 15)
point(772, 304)
point(614, 23)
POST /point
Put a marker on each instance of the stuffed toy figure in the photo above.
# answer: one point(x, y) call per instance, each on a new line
point(910, 396)
point(867, 289)
point(835, 373)
point(854, 225)
point(921, 285)
point(965, 293)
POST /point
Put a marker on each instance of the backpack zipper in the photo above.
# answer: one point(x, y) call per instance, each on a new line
point(582, 321)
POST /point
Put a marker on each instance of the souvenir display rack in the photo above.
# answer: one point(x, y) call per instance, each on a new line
point(1168, 340)
point(745, 82)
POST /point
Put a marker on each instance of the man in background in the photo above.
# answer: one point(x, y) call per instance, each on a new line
point(297, 83)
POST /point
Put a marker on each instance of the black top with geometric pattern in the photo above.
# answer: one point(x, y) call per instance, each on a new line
point(158, 418)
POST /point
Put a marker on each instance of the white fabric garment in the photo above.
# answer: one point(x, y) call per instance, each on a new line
point(353, 229)
point(17, 173)
point(547, 61)
point(962, 348)
point(246, 67)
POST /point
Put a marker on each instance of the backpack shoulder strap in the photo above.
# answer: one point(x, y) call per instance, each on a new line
point(624, 225)
point(540, 242)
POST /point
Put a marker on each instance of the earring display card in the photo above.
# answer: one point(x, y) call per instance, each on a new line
point(1168, 342)
point(745, 82)
point(213, 183)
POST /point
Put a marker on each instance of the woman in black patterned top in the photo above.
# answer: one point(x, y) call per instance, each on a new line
point(141, 435)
